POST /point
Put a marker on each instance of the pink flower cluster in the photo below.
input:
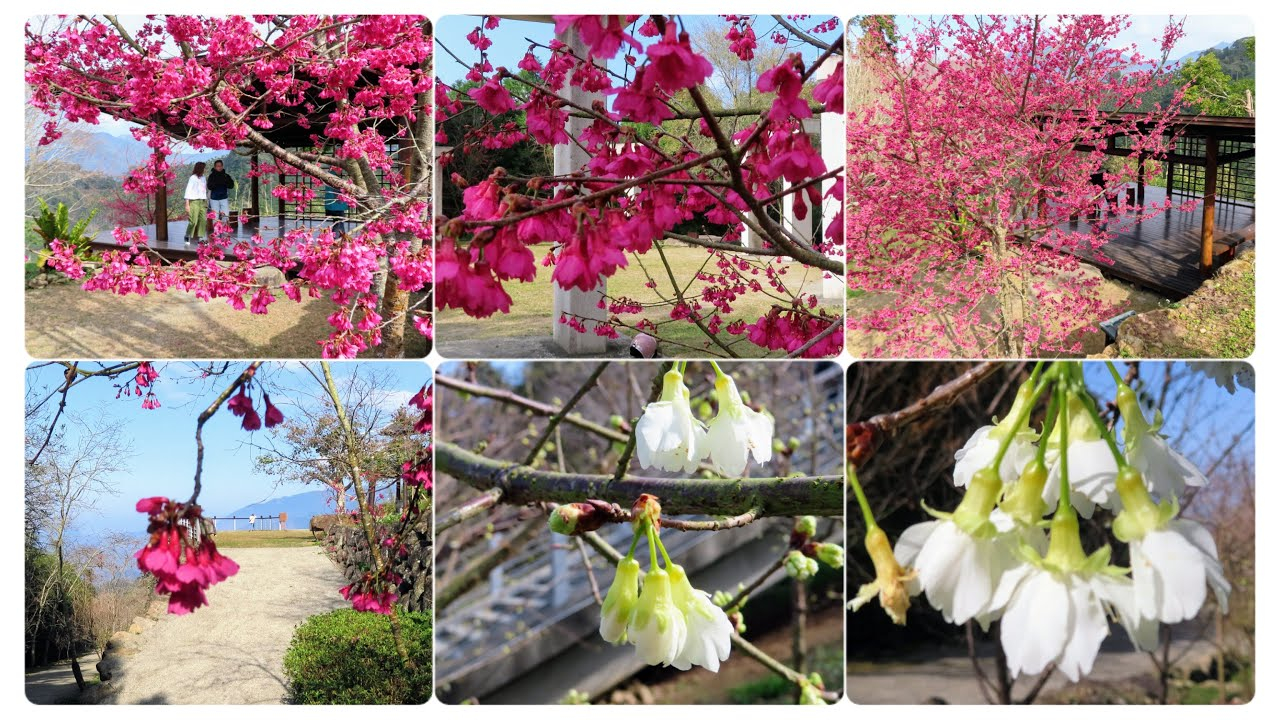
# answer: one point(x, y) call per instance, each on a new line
point(424, 400)
point(373, 593)
point(741, 37)
point(144, 377)
point(180, 555)
point(241, 405)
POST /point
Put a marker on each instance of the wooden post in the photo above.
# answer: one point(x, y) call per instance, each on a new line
point(1142, 178)
point(1210, 193)
point(255, 210)
point(162, 211)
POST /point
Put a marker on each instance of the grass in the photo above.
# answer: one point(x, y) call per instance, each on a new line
point(826, 661)
point(264, 538)
point(532, 303)
point(1217, 321)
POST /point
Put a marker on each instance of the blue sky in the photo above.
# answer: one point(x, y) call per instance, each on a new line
point(163, 439)
point(1201, 419)
point(511, 40)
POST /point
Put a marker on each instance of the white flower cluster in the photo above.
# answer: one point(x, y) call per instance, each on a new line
point(992, 559)
point(669, 621)
point(670, 438)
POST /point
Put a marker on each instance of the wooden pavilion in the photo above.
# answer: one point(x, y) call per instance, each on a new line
point(1212, 160)
point(290, 130)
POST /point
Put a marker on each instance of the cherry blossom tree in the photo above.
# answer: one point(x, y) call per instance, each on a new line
point(658, 151)
point(976, 178)
point(332, 101)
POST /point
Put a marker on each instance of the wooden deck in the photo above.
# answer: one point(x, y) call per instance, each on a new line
point(1162, 253)
point(175, 248)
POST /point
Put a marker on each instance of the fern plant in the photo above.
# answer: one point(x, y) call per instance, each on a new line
point(55, 224)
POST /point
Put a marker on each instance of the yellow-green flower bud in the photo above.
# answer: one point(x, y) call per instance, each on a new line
point(800, 567)
point(831, 555)
point(806, 525)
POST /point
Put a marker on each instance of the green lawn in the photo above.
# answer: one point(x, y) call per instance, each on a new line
point(263, 538)
point(531, 306)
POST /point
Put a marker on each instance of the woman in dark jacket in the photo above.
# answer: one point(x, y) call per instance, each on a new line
point(220, 184)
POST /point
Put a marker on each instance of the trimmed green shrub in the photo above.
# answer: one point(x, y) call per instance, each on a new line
point(347, 657)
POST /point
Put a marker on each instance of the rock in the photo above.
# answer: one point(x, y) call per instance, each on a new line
point(122, 641)
point(1150, 334)
point(268, 276)
point(38, 281)
point(644, 694)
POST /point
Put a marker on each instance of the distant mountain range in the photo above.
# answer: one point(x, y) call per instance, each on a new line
point(115, 155)
point(299, 507)
point(1193, 55)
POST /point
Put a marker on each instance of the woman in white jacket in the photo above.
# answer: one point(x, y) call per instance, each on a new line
point(197, 197)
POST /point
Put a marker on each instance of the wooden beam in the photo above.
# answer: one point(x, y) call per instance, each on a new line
point(1210, 192)
point(162, 210)
point(1236, 156)
point(280, 206)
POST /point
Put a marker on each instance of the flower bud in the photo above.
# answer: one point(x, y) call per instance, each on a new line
point(581, 517)
point(811, 690)
point(806, 525)
point(564, 519)
point(620, 602)
point(800, 567)
point(646, 509)
point(831, 555)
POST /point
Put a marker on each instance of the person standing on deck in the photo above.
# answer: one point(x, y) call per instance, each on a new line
point(334, 207)
point(197, 197)
point(220, 185)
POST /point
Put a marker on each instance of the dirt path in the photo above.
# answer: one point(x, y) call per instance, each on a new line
point(56, 685)
point(232, 651)
point(64, 321)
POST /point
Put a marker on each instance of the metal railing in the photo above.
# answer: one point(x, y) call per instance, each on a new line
point(247, 522)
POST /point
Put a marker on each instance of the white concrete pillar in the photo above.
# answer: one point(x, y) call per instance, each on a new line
point(801, 229)
point(832, 139)
point(569, 158)
point(437, 180)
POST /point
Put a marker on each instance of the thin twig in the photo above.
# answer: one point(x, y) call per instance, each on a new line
point(591, 573)
point(470, 509)
point(556, 419)
point(208, 413)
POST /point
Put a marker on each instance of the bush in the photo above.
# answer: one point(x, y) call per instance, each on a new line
point(349, 658)
point(55, 224)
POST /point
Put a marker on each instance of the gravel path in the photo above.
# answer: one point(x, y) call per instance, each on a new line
point(232, 651)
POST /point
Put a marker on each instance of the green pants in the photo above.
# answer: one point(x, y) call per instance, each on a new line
point(195, 223)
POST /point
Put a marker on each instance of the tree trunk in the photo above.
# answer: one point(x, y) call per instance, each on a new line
point(339, 497)
point(395, 311)
point(1007, 342)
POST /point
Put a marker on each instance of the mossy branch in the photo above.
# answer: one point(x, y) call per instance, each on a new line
point(771, 497)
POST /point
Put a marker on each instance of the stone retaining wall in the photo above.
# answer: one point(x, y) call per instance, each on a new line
point(346, 545)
